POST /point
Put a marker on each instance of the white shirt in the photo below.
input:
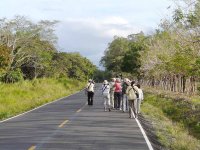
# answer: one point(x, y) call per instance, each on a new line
point(90, 87)
point(105, 88)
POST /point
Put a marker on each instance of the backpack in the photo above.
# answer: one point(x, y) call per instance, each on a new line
point(136, 93)
point(131, 93)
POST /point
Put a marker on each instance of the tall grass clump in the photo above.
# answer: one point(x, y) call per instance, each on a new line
point(25, 95)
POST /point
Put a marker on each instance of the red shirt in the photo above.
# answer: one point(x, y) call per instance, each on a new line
point(118, 87)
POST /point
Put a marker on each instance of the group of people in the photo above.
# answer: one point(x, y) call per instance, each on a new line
point(124, 95)
point(119, 94)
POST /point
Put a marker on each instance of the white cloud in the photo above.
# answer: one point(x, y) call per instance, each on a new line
point(115, 20)
point(108, 26)
point(90, 36)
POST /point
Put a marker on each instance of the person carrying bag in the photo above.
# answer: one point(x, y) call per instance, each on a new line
point(106, 95)
point(132, 92)
point(90, 91)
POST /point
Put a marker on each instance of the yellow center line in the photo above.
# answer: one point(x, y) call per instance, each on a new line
point(62, 124)
point(79, 110)
point(32, 148)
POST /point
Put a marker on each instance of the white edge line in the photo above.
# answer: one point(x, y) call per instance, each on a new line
point(144, 134)
point(38, 107)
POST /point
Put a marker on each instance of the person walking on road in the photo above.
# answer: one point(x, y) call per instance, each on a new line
point(132, 98)
point(90, 91)
point(117, 93)
point(112, 90)
point(124, 101)
point(106, 95)
point(139, 99)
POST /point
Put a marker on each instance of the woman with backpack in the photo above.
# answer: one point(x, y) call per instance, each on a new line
point(106, 95)
point(132, 92)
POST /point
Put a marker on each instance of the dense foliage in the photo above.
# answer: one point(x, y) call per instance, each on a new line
point(27, 51)
point(169, 58)
point(123, 54)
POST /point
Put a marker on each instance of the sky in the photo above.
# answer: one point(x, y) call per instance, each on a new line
point(87, 26)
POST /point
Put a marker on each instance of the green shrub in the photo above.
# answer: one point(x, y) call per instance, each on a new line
point(178, 111)
point(12, 76)
point(176, 124)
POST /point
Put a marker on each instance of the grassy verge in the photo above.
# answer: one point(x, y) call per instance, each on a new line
point(176, 124)
point(22, 96)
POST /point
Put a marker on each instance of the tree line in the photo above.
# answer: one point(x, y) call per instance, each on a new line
point(28, 51)
point(169, 58)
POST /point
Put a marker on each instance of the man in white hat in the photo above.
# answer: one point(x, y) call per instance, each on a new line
point(106, 95)
point(90, 91)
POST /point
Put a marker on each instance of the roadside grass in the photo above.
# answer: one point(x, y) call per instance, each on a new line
point(175, 127)
point(23, 96)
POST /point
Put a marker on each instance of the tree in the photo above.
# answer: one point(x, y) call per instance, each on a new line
point(114, 54)
point(131, 62)
point(4, 58)
point(25, 39)
point(72, 65)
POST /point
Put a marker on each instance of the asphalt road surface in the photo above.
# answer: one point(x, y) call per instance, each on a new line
point(70, 124)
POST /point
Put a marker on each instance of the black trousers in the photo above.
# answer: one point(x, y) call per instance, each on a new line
point(90, 98)
point(117, 99)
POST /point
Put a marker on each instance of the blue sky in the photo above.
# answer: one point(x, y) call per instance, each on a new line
point(87, 26)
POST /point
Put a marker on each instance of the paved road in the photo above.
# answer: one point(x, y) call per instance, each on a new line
point(70, 124)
